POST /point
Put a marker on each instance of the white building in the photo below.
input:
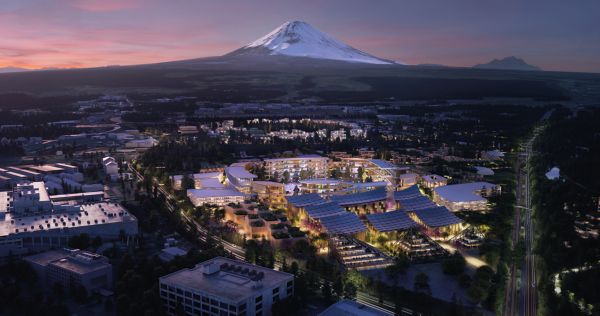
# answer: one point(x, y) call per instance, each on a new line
point(223, 286)
point(219, 197)
point(72, 268)
point(465, 196)
point(240, 178)
point(306, 166)
point(110, 165)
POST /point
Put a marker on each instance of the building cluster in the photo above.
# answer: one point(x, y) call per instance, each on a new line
point(59, 178)
point(31, 221)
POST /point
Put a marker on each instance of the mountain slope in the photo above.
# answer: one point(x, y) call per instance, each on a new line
point(300, 39)
point(508, 63)
point(12, 69)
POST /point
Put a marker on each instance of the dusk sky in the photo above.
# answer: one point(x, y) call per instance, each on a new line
point(551, 34)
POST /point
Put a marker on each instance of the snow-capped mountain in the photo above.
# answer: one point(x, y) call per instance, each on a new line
point(300, 39)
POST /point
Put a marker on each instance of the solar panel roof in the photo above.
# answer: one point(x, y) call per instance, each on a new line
point(346, 223)
point(416, 203)
point(316, 211)
point(410, 192)
point(438, 216)
point(304, 199)
point(363, 197)
point(390, 221)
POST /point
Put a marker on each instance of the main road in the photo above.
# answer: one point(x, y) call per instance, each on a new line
point(523, 301)
point(530, 291)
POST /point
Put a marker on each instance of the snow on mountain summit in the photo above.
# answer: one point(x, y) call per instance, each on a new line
point(300, 39)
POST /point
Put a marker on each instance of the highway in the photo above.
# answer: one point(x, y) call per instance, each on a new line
point(530, 291)
point(521, 294)
point(239, 252)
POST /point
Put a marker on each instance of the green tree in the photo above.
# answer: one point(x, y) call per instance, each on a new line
point(350, 290)
point(326, 291)
point(454, 264)
point(338, 286)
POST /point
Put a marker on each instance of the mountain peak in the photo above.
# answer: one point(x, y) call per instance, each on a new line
point(507, 63)
point(300, 39)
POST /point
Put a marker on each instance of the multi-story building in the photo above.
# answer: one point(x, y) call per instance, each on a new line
point(223, 286)
point(240, 178)
point(73, 269)
point(270, 193)
point(111, 168)
point(338, 135)
point(301, 167)
point(29, 220)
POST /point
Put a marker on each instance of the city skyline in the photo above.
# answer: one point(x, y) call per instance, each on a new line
point(90, 33)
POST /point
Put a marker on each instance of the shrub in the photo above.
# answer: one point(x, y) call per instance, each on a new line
point(281, 235)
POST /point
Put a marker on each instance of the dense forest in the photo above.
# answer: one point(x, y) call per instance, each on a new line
point(570, 141)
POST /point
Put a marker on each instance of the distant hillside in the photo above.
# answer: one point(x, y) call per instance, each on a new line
point(508, 63)
point(12, 69)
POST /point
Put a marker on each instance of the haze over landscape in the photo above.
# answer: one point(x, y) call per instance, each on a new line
point(553, 35)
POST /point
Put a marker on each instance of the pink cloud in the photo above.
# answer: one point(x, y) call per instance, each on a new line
point(104, 5)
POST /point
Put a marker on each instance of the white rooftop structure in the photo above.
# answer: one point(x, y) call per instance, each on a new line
point(553, 173)
point(484, 171)
point(464, 192)
point(214, 196)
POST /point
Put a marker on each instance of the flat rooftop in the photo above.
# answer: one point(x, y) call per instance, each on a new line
point(85, 215)
point(72, 260)
point(302, 157)
point(229, 284)
point(44, 168)
point(208, 193)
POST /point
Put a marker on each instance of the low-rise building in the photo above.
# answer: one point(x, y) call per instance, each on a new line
point(72, 269)
point(465, 196)
point(219, 197)
point(433, 181)
point(223, 286)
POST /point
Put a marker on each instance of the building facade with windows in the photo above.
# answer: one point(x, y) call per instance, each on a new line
point(299, 168)
point(224, 287)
